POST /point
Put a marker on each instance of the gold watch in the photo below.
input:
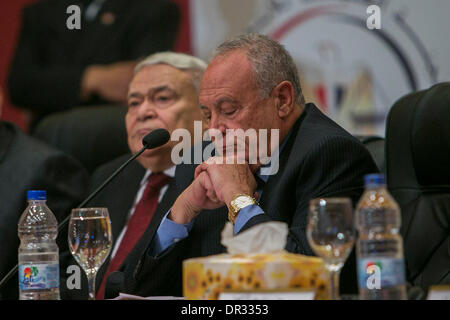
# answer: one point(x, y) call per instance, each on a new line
point(239, 202)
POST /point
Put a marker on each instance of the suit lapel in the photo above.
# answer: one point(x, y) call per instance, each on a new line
point(131, 178)
point(269, 195)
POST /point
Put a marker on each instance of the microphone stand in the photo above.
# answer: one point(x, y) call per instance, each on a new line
point(89, 198)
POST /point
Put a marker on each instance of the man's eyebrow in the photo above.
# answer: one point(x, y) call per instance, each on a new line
point(137, 94)
point(223, 100)
point(134, 95)
point(204, 107)
point(159, 89)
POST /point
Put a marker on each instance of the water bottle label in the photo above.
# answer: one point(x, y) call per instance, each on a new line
point(380, 273)
point(38, 276)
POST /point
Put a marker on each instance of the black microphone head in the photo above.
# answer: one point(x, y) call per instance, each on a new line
point(156, 138)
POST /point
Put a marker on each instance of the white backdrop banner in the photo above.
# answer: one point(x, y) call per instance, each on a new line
point(352, 72)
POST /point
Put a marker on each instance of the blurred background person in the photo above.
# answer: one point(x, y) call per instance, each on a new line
point(55, 68)
point(28, 164)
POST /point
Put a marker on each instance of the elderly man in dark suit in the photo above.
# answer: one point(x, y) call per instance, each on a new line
point(162, 94)
point(251, 83)
point(27, 164)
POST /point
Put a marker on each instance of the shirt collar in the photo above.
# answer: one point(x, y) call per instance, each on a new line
point(168, 172)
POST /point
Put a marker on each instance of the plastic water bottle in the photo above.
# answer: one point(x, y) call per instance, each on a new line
point(38, 252)
point(381, 270)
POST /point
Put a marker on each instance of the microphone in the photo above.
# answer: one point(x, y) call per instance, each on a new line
point(154, 139)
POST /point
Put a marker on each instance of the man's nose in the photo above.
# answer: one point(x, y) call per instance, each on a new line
point(147, 110)
point(216, 124)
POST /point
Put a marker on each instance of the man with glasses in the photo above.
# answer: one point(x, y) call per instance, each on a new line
point(162, 94)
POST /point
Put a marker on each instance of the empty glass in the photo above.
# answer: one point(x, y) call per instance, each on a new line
point(331, 235)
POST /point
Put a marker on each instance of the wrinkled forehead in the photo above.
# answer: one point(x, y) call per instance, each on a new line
point(158, 75)
point(230, 72)
point(233, 66)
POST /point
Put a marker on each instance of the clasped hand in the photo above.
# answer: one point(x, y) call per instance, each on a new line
point(216, 182)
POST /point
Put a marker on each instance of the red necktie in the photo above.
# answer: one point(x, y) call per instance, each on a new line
point(137, 225)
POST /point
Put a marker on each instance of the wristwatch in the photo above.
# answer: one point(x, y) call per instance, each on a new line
point(239, 202)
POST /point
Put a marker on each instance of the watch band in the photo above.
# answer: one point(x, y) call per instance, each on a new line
point(235, 207)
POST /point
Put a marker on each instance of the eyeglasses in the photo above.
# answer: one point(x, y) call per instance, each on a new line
point(160, 98)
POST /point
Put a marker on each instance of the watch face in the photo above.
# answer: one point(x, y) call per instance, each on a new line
point(243, 201)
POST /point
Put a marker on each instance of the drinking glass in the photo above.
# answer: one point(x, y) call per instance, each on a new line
point(331, 235)
point(90, 241)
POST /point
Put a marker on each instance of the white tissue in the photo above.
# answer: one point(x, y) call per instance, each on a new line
point(266, 237)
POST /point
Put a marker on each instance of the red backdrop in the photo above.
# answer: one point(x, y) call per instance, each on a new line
point(10, 11)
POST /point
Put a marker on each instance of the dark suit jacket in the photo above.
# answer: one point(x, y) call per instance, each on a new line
point(118, 197)
point(50, 59)
point(320, 159)
point(27, 164)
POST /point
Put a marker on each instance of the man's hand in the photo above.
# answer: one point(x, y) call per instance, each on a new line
point(108, 81)
point(216, 183)
point(198, 196)
point(227, 180)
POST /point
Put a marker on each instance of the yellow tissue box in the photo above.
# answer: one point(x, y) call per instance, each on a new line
point(207, 277)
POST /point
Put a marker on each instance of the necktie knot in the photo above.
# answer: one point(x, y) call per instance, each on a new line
point(155, 182)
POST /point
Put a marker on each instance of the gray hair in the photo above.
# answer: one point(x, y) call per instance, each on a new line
point(179, 61)
point(270, 61)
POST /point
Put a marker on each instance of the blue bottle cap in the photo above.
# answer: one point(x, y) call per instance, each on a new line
point(37, 195)
point(374, 180)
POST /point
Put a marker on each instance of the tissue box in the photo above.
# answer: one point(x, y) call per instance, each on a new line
point(207, 277)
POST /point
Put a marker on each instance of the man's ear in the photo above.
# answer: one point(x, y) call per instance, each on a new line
point(283, 94)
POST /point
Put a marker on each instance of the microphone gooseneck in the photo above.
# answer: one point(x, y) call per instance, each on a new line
point(154, 139)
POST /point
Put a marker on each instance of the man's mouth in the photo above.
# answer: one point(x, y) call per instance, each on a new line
point(141, 133)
